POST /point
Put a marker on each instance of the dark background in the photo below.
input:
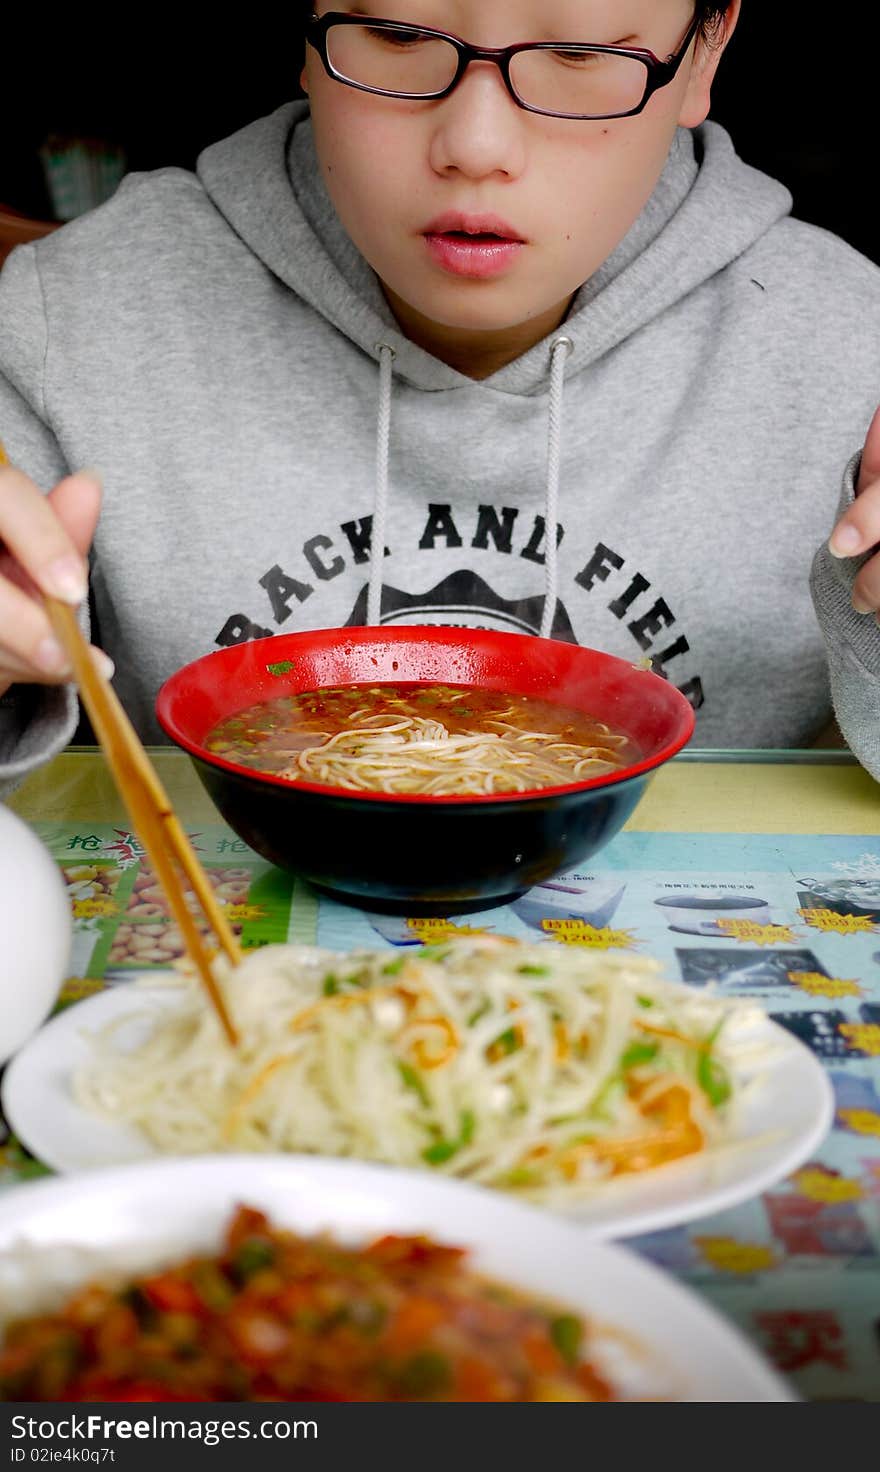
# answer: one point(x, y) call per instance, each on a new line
point(789, 91)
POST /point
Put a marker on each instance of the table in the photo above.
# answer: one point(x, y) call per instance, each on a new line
point(785, 849)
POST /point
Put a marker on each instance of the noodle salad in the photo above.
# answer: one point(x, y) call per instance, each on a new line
point(538, 1068)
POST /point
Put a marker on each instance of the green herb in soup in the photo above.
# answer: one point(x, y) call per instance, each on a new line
point(436, 740)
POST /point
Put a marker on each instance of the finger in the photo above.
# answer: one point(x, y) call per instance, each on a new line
point(76, 501)
point(15, 676)
point(38, 539)
point(29, 646)
point(869, 471)
point(866, 587)
point(858, 530)
point(16, 671)
point(30, 649)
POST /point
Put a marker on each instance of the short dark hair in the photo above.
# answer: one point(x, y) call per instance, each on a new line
point(710, 14)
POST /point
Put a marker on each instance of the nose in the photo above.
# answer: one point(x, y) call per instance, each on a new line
point(479, 130)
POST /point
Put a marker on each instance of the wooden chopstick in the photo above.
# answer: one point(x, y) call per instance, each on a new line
point(149, 807)
point(148, 804)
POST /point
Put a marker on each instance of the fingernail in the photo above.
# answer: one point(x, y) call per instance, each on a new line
point(862, 607)
point(845, 542)
point(65, 578)
point(51, 657)
point(102, 662)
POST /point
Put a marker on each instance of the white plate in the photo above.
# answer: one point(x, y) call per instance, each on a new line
point(780, 1124)
point(657, 1336)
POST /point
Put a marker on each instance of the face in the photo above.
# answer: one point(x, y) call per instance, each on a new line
point(407, 178)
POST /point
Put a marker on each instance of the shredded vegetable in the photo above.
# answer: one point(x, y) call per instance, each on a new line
point(536, 1067)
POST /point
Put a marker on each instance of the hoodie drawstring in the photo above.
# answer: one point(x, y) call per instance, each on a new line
point(560, 350)
point(380, 495)
point(562, 347)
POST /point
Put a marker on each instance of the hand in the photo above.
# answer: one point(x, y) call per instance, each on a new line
point(859, 528)
point(43, 542)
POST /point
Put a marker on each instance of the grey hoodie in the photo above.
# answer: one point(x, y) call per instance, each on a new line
point(216, 345)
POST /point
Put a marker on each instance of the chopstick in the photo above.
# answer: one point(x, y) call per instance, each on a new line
point(149, 806)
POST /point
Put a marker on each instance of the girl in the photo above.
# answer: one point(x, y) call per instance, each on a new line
point(494, 329)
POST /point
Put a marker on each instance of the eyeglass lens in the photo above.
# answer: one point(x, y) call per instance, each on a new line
point(552, 80)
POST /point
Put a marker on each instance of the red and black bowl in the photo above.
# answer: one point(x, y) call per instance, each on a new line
point(416, 855)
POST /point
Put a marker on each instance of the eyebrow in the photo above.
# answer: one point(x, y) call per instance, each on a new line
point(370, 11)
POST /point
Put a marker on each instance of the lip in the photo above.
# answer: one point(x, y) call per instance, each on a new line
point(475, 246)
point(456, 221)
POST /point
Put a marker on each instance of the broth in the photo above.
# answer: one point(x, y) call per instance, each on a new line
point(421, 738)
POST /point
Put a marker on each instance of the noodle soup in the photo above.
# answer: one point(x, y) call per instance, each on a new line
point(435, 740)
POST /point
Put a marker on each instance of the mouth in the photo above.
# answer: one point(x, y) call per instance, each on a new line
point(477, 246)
point(485, 229)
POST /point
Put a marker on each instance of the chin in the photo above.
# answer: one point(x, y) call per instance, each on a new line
point(477, 308)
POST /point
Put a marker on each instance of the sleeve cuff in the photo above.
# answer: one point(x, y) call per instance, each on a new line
point(831, 583)
point(36, 723)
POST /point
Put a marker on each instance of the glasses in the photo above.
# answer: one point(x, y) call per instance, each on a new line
point(558, 79)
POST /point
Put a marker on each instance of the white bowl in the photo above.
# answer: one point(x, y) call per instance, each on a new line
point(655, 1337)
point(36, 927)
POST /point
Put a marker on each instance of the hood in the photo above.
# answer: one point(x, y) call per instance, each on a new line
point(708, 207)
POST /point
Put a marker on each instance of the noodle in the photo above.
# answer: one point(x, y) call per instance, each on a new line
point(402, 758)
point(534, 1067)
point(436, 741)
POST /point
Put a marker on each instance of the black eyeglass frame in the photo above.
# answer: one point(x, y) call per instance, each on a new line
point(657, 73)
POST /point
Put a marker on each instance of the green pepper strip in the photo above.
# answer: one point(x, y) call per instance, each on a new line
point(567, 1332)
point(413, 1081)
point(638, 1053)
point(443, 1150)
point(712, 1075)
